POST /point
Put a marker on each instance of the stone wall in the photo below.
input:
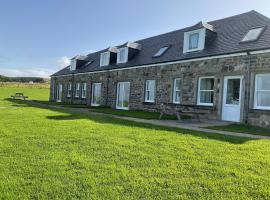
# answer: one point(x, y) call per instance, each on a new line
point(189, 72)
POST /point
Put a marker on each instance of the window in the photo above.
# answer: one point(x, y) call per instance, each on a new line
point(96, 94)
point(73, 64)
point(206, 91)
point(253, 34)
point(262, 92)
point(77, 90)
point(104, 59)
point(177, 85)
point(69, 90)
point(161, 51)
point(122, 55)
point(84, 90)
point(150, 91)
point(123, 90)
point(194, 40)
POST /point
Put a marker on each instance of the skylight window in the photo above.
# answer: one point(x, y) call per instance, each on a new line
point(161, 51)
point(253, 34)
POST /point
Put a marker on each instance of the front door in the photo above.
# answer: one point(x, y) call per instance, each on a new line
point(231, 109)
point(59, 93)
point(122, 101)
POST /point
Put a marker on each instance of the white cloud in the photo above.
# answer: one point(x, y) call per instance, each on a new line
point(62, 62)
point(26, 72)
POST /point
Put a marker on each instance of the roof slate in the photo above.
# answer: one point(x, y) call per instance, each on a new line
point(229, 33)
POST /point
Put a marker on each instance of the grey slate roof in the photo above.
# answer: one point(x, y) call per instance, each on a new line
point(229, 33)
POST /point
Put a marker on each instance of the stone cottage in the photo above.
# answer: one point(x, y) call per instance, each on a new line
point(221, 66)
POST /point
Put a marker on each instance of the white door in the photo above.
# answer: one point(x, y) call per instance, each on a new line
point(122, 101)
point(231, 109)
point(59, 93)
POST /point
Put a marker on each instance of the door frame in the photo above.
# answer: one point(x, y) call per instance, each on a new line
point(224, 95)
point(58, 95)
point(117, 98)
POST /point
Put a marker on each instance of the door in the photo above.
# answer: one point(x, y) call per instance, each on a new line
point(231, 109)
point(59, 93)
point(123, 89)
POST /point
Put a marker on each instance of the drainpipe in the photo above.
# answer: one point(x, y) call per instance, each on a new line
point(248, 85)
point(107, 88)
point(72, 87)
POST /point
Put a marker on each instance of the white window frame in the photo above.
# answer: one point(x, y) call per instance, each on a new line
point(117, 96)
point(174, 91)
point(104, 59)
point(201, 42)
point(256, 90)
point(199, 91)
point(84, 85)
point(73, 63)
point(93, 93)
point(254, 39)
point(125, 49)
point(147, 91)
point(69, 89)
point(77, 90)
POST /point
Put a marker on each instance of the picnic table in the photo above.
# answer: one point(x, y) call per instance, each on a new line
point(19, 95)
point(181, 110)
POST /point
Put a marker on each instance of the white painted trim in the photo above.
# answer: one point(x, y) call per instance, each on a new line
point(145, 91)
point(174, 90)
point(255, 96)
point(84, 88)
point(106, 62)
point(92, 96)
point(121, 107)
point(160, 64)
point(126, 55)
point(69, 89)
point(77, 88)
point(260, 51)
point(201, 40)
point(198, 93)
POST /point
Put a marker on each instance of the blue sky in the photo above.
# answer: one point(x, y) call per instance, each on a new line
point(38, 37)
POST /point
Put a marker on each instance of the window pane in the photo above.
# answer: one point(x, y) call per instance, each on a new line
point(207, 84)
point(263, 99)
point(161, 51)
point(263, 82)
point(177, 97)
point(206, 97)
point(252, 34)
point(233, 91)
point(194, 41)
point(178, 84)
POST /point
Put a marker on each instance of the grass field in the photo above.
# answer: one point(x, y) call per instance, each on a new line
point(52, 154)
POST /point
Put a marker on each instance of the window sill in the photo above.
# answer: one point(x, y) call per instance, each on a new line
point(149, 103)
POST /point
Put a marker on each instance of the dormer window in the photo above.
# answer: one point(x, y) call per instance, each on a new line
point(253, 34)
point(194, 40)
point(122, 55)
point(105, 58)
point(72, 64)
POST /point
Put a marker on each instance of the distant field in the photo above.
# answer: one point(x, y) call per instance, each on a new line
point(24, 85)
point(57, 154)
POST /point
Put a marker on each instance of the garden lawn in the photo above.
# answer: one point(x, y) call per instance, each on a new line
point(52, 154)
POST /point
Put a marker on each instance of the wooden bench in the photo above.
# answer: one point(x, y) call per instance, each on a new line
point(19, 96)
point(182, 110)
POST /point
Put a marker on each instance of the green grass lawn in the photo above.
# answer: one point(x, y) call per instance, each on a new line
point(55, 154)
point(243, 128)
